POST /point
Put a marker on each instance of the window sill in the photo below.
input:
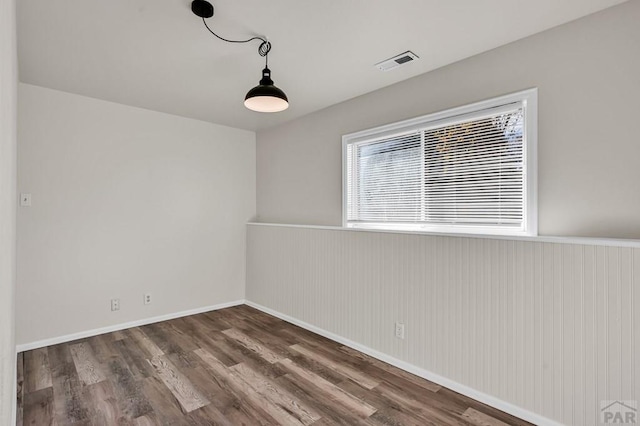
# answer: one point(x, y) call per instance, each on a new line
point(540, 239)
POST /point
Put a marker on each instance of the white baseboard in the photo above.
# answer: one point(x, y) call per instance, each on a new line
point(122, 326)
point(442, 381)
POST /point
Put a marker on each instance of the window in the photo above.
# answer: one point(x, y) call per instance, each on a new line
point(466, 170)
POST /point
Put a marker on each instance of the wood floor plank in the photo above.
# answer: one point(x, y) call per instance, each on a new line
point(69, 404)
point(182, 360)
point(388, 411)
point(134, 357)
point(118, 335)
point(128, 391)
point(207, 416)
point(231, 352)
point(280, 415)
point(400, 374)
point(222, 397)
point(278, 396)
point(456, 399)
point(440, 413)
point(317, 368)
point(103, 349)
point(260, 318)
point(216, 319)
point(149, 347)
point(432, 400)
point(478, 418)
point(332, 391)
point(146, 420)
point(300, 335)
point(104, 408)
point(230, 315)
point(351, 373)
point(217, 346)
point(197, 324)
point(265, 334)
point(182, 389)
point(331, 412)
point(38, 372)
point(20, 389)
point(166, 408)
point(38, 407)
point(159, 337)
point(87, 366)
point(177, 335)
point(252, 345)
point(226, 396)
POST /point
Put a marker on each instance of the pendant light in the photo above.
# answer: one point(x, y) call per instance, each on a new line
point(265, 97)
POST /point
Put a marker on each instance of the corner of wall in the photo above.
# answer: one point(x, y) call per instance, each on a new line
point(8, 114)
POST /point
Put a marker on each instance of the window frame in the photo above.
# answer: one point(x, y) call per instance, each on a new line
point(528, 99)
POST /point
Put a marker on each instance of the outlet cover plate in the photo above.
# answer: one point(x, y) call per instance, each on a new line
point(399, 330)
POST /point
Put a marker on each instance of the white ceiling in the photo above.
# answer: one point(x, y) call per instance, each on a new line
point(156, 54)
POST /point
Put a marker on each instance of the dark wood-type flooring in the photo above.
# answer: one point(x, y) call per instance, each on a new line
point(236, 366)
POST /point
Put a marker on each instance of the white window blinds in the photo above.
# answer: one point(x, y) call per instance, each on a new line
point(467, 170)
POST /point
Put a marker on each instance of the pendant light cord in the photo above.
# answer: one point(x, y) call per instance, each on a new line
point(263, 49)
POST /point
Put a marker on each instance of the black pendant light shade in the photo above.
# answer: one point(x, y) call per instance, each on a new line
point(266, 97)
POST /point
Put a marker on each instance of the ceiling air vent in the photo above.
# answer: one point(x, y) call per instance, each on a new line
point(396, 61)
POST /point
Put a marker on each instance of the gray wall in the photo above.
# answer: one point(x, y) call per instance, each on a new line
point(587, 74)
point(8, 82)
point(125, 201)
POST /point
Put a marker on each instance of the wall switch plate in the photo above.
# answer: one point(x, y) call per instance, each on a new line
point(115, 304)
point(399, 330)
point(25, 200)
point(147, 299)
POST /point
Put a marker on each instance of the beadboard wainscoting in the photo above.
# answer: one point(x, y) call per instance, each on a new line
point(540, 328)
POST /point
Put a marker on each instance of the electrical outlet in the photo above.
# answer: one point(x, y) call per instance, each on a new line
point(147, 299)
point(399, 330)
point(115, 304)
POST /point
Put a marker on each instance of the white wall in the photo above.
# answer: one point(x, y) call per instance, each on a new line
point(8, 87)
point(541, 329)
point(125, 201)
point(587, 75)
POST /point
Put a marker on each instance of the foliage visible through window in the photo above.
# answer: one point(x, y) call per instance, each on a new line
point(463, 173)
